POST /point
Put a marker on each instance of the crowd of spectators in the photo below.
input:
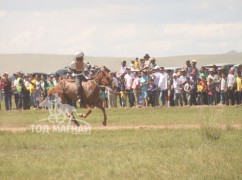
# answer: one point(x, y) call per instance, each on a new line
point(142, 83)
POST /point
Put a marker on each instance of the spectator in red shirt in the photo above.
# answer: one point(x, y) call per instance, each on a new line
point(7, 89)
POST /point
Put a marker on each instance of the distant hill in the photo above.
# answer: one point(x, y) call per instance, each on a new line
point(50, 63)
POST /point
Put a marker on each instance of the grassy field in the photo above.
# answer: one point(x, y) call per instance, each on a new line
point(205, 153)
point(122, 154)
point(127, 116)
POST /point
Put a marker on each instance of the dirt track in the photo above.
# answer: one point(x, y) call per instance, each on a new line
point(123, 127)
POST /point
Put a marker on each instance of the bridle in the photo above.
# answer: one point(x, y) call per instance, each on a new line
point(98, 74)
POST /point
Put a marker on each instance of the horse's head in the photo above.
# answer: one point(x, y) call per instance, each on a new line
point(104, 77)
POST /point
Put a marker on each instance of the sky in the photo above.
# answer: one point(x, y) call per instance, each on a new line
point(121, 28)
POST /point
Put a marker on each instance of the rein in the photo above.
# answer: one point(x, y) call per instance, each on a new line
point(95, 82)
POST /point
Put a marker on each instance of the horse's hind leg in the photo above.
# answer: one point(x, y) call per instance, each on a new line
point(72, 117)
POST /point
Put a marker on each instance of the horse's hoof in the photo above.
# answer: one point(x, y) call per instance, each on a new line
point(104, 123)
point(83, 116)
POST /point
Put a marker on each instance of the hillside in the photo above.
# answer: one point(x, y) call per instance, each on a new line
point(50, 63)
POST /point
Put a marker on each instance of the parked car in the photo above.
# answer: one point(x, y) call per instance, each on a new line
point(173, 69)
point(225, 66)
point(40, 74)
point(237, 67)
point(62, 72)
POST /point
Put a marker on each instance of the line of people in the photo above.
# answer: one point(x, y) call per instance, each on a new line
point(144, 83)
point(27, 90)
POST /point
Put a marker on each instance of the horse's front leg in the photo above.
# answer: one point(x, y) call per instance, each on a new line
point(72, 118)
point(89, 111)
point(104, 114)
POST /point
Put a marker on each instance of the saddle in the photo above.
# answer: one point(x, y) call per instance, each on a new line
point(70, 80)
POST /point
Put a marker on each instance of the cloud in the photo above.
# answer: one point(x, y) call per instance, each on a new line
point(114, 28)
point(2, 14)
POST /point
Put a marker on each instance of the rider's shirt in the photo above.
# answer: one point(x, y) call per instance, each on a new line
point(77, 68)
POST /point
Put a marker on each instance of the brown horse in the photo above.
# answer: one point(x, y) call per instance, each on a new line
point(66, 89)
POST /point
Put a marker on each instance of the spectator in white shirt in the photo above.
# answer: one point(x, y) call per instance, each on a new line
point(211, 74)
point(156, 77)
point(16, 94)
point(136, 88)
point(223, 89)
point(162, 85)
point(177, 90)
point(128, 83)
point(122, 69)
point(132, 67)
point(182, 80)
point(188, 90)
point(231, 86)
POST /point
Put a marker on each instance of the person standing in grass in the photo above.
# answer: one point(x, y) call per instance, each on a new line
point(156, 77)
point(50, 85)
point(43, 86)
point(163, 81)
point(238, 90)
point(15, 92)
point(182, 80)
point(111, 97)
point(7, 89)
point(231, 86)
point(202, 90)
point(103, 96)
point(136, 88)
point(128, 84)
point(38, 94)
point(177, 91)
point(32, 90)
point(223, 89)
point(216, 81)
point(188, 90)
point(26, 91)
point(211, 91)
point(20, 85)
point(123, 96)
point(151, 89)
point(144, 87)
point(199, 88)
point(121, 83)
point(193, 80)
